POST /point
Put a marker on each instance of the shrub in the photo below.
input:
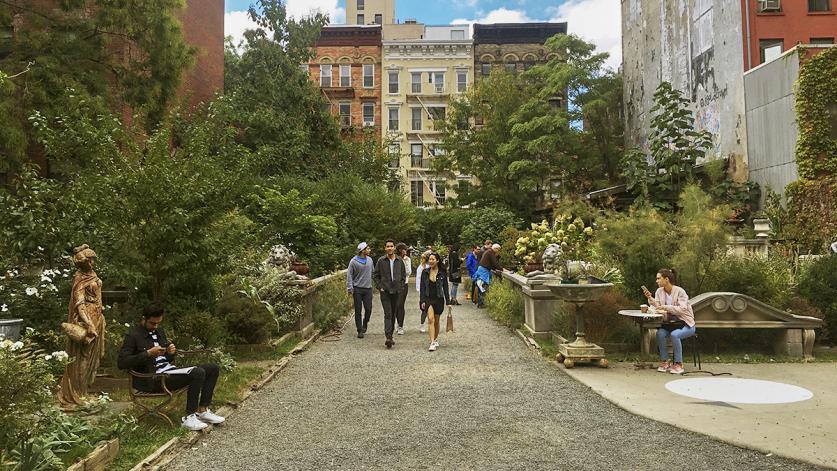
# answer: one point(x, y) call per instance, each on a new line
point(817, 284)
point(640, 243)
point(487, 223)
point(331, 304)
point(505, 303)
point(195, 329)
point(245, 321)
point(812, 210)
point(767, 279)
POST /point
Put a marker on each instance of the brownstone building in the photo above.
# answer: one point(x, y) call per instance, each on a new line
point(515, 46)
point(203, 28)
point(347, 68)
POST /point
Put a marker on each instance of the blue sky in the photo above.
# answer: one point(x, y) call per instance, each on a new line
point(597, 21)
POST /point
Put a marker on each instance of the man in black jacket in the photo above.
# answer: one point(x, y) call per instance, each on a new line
point(147, 350)
point(390, 276)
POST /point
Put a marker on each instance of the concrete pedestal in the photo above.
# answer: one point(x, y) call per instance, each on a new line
point(539, 303)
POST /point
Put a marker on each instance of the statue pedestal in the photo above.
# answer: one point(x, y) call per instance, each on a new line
point(539, 304)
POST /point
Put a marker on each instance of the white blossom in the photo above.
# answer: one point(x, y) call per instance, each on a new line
point(30, 291)
point(47, 357)
point(60, 355)
point(4, 308)
point(45, 279)
point(16, 346)
point(6, 343)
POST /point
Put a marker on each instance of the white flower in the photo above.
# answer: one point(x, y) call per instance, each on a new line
point(30, 291)
point(40, 248)
point(16, 346)
point(127, 325)
point(45, 279)
point(6, 343)
point(60, 355)
point(29, 330)
point(4, 308)
point(47, 357)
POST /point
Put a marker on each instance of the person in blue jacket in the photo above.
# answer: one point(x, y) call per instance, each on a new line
point(472, 263)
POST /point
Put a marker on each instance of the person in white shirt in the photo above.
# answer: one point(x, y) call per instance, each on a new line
point(401, 250)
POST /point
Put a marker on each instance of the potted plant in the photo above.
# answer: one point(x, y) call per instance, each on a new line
point(300, 267)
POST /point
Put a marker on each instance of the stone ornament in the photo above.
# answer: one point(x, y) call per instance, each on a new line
point(552, 257)
point(85, 343)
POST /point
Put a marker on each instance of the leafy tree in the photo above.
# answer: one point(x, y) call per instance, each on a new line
point(527, 137)
point(675, 148)
point(278, 111)
point(73, 47)
point(488, 223)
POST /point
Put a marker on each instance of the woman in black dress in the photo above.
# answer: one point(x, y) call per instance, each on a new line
point(434, 294)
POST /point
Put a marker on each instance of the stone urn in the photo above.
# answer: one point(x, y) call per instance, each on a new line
point(533, 266)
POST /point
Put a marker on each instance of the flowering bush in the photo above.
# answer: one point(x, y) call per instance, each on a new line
point(39, 297)
point(568, 232)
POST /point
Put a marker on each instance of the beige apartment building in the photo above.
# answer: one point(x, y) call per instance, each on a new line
point(422, 70)
point(370, 12)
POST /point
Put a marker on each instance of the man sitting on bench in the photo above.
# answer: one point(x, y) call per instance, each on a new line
point(147, 350)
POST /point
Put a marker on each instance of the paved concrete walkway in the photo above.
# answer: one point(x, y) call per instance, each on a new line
point(805, 430)
point(482, 401)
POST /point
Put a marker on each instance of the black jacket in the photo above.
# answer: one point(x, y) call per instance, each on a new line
point(455, 268)
point(385, 281)
point(442, 290)
point(134, 355)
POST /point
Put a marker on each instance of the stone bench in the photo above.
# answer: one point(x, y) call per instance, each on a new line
point(719, 310)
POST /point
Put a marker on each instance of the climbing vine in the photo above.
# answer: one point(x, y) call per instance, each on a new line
point(816, 98)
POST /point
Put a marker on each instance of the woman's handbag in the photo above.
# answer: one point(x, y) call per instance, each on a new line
point(449, 327)
point(76, 333)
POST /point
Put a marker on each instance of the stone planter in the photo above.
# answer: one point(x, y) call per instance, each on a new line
point(530, 267)
point(10, 328)
point(301, 268)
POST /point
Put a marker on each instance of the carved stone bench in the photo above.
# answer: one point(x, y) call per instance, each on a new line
point(718, 310)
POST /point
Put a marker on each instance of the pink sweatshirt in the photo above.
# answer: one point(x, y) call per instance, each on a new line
point(680, 306)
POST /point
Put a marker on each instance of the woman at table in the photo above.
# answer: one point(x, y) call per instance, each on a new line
point(672, 302)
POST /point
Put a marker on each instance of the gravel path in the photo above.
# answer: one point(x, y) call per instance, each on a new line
point(482, 401)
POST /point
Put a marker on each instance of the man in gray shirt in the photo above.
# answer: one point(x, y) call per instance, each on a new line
point(359, 285)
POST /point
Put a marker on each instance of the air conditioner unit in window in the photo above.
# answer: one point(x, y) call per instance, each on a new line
point(769, 5)
point(440, 88)
point(368, 124)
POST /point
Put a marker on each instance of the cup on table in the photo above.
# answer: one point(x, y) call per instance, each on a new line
point(643, 308)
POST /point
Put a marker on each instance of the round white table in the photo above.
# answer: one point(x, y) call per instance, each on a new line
point(639, 316)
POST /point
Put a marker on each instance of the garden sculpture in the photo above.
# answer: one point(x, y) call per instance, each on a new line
point(280, 257)
point(85, 329)
point(552, 257)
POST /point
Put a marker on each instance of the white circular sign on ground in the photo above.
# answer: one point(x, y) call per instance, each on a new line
point(739, 390)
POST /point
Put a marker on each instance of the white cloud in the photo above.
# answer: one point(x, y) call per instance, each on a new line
point(236, 22)
point(597, 21)
point(500, 15)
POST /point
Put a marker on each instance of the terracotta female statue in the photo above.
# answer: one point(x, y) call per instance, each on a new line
point(86, 330)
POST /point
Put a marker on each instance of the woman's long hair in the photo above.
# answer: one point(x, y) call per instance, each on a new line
point(669, 273)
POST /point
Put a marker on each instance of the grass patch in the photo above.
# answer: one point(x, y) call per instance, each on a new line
point(275, 353)
point(504, 303)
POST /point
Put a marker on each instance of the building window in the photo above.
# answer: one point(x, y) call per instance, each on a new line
point(457, 34)
point(393, 82)
point(417, 155)
point(486, 69)
point(819, 5)
point(360, 4)
point(326, 107)
point(416, 115)
point(304, 69)
point(439, 82)
point(345, 115)
point(415, 80)
point(417, 193)
point(361, 20)
point(461, 81)
point(439, 192)
point(436, 112)
point(369, 114)
point(770, 49)
point(394, 155)
point(556, 102)
point(345, 76)
point(379, 19)
point(393, 118)
point(765, 6)
point(325, 75)
point(368, 75)
point(511, 67)
point(822, 41)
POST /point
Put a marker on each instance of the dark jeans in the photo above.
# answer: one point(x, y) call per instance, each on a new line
point(474, 290)
point(363, 299)
point(201, 381)
point(389, 301)
point(400, 311)
point(481, 295)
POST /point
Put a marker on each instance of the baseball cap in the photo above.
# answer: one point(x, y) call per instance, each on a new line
point(362, 246)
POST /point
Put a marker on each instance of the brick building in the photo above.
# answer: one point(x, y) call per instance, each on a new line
point(771, 27)
point(347, 68)
point(515, 46)
point(203, 28)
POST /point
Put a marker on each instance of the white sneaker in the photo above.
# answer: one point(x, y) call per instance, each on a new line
point(436, 343)
point(192, 423)
point(422, 328)
point(432, 347)
point(400, 331)
point(210, 418)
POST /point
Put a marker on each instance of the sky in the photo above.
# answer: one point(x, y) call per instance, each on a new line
point(597, 21)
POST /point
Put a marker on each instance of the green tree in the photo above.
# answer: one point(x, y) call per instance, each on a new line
point(675, 148)
point(527, 137)
point(72, 47)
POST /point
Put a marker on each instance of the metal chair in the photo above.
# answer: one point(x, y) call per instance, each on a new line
point(163, 398)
